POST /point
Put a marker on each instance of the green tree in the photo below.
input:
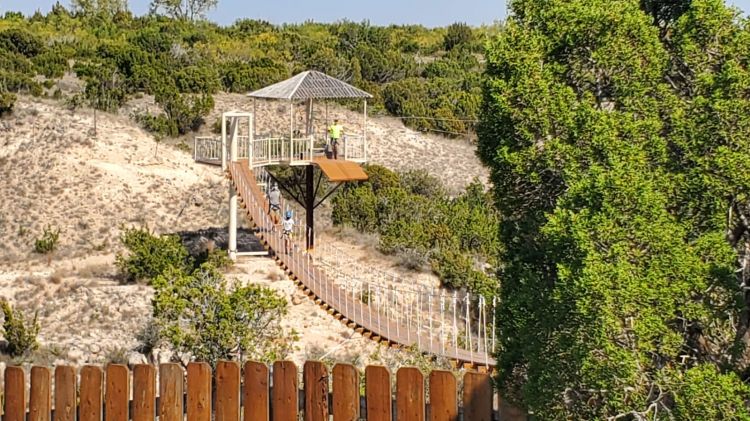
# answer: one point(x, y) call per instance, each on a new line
point(102, 8)
point(184, 9)
point(458, 34)
point(620, 168)
point(203, 318)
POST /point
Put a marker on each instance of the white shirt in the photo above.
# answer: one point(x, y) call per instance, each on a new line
point(288, 224)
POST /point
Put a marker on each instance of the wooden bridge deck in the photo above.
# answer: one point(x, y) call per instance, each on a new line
point(341, 304)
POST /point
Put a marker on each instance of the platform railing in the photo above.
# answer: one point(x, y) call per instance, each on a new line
point(207, 149)
point(355, 148)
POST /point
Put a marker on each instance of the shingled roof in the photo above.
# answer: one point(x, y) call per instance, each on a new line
point(310, 84)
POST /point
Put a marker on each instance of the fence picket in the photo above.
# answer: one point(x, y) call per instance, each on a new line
point(65, 393)
point(40, 404)
point(227, 391)
point(410, 394)
point(144, 393)
point(199, 392)
point(170, 392)
point(477, 397)
point(117, 393)
point(378, 393)
point(316, 391)
point(256, 391)
point(285, 399)
point(345, 393)
point(15, 385)
point(91, 394)
point(443, 404)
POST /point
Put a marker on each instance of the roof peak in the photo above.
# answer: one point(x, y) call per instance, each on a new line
point(310, 84)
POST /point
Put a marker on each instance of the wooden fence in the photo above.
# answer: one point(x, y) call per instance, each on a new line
point(231, 394)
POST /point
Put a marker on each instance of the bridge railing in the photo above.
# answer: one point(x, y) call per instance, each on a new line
point(355, 148)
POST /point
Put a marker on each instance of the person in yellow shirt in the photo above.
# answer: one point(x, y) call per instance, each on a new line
point(334, 134)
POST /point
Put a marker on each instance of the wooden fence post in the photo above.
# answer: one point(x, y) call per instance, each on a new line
point(170, 392)
point(477, 397)
point(443, 404)
point(66, 394)
point(198, 392)
point(117, 393)
point(15, 395)
point(345, 393)
point(315, 378)
point(378, 393)
point(256, 391)
point(144, 392)
point(91, 394)
point(285, 399)
point(410, 394)
point(40, 405)
point(227, 391)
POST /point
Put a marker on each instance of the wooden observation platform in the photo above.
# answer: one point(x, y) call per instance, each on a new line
point(249, 161)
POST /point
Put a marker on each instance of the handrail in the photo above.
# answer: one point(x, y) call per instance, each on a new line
point(350, 300)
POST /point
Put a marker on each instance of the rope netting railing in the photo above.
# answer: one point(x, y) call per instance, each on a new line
point(455, 324)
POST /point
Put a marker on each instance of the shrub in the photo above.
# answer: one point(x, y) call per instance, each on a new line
point(7, 101)
point(421, 183)
point(19, 331)
point(457, 269)
point(204, 319)
point(21, 41)
point(458, 34)
point(183, 113)
point(149, 255)
point(356, 208)
point(714, 395)
point(47, 243)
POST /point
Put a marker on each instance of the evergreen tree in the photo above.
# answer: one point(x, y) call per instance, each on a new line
point(621, 165)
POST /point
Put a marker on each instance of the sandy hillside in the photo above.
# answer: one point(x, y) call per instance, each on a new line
point(55, 172)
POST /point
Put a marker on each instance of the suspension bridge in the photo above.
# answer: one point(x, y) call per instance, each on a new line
point(383, 307)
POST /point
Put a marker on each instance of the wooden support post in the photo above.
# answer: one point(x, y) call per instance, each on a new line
point(310, 206)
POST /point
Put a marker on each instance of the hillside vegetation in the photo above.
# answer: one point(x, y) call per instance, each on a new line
point(410, 70)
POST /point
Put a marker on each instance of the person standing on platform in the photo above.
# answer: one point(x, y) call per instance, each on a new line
point(334, 134)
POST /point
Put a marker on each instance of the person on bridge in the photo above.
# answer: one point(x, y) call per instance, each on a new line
point(287, 226)
point(334, 134)
point(274, 203)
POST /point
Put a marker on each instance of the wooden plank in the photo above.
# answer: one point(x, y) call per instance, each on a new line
point(410, 394)
point(170, 392)
point(315, 379)
point(256, 391)
point(15, 395)
point(378, 393)
point(198, 392)
point(144, 392)
point(117, 393)
point(227, 391)
point(40, 399)
point(65, 393)
point(91, 394)
point(345, 393)
point(285, 401)
point(443, 403)
point(477, 397)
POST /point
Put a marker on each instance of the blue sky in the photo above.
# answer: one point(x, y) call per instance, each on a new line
point(381, 12)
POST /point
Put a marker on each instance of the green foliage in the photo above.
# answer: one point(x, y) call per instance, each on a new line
point(148, 255)
point(21, 42)
point(458, 34)
point(200, 316)
point(7, 101)
point(420, 224)
point(620, 168)
point(184, 9)
point(19, 331)
point(47, 243)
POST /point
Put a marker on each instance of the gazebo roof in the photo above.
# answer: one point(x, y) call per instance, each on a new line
point(310, 84)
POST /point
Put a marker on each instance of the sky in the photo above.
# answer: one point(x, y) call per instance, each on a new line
point(379, 12)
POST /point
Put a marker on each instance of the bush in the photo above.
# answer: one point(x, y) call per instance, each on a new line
point(421, 183)
point(21, 41)
point(7, 101)
point(149, 255)
point(47, 243)
point(182, 113)
point(202, 318)
point(458, 34)
point(19, 331)
point(715, 396)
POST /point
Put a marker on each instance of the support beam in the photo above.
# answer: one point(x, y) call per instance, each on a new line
point(310, 206)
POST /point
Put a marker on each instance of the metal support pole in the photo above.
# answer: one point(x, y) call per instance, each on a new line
point(310, 205)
